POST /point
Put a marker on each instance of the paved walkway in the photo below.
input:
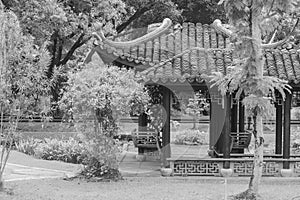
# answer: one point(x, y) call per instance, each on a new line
point(15, 172)
point(23, 167)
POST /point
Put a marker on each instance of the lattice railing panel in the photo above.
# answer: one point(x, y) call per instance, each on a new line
point(245, 168)
point(271, 169)
point(196, 168)
point(242, 168)
point(150, 140)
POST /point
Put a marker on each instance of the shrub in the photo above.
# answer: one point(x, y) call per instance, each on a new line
point(194, 137)
point(95, 97)
point(295, 138)
point(70, 151)
point(28, 146)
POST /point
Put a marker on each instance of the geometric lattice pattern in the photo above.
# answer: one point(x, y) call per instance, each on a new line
point(145, 138)
point(271, 169)
point(241, 140)
point(196, 168)
point(245, 168)
point(213, 167)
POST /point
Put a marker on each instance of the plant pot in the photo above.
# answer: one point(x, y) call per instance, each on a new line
point(226, 172)
point(166, 171)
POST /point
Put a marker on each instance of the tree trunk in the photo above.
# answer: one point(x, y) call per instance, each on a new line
point(135, 16)
point(258, 156)
point(257, 57)
point(194, 123)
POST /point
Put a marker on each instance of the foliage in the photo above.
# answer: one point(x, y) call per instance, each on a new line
point(28, 146)
point(95, 97)
point(23, 88)
point(70, 150)
point(103, 93)
point(295, 138)
point(201, 11)
point(66, 25)
point(295, 113)
point(145, 12)
point(192, 137)
point(197, 107)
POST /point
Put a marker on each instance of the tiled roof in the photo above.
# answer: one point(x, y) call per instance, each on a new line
point(166, 46)
point(283, 64)
point(159, 52)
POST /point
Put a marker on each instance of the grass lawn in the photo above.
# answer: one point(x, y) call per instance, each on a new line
point(148, 188)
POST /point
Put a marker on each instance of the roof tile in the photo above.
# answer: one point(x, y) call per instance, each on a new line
point(283, 64)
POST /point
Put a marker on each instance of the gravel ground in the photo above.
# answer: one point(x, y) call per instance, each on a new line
point(148, 188)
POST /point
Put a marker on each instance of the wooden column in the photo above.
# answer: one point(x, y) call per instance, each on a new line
point(142, 122)
point(142, 126)
point(166, 150)
point(227, 131)
point(278, 133)
point(287, 129)
point(234, 117)
point(241, 117)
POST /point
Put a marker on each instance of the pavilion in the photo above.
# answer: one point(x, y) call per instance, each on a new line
point(178, 59)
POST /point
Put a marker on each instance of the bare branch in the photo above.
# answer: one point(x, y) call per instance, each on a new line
point(136, 15)
point(269, 16)
point(281, 42)
point(72, 50)
point(273, 37)
point(271, 7)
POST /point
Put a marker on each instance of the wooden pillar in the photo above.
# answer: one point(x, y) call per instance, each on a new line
point(166, 150)
point(142, 120)
point(142, 126)
point(234, 117)
point(227, 131)
point(278, 133)
point(287, 129)
point(241, 117)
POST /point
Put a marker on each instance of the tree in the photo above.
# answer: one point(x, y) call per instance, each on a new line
point(95, 98)
point(23, 86)
point(145, 12)
point(201, 11)
point(67, 26)
point(197, 107)
point(252, 22)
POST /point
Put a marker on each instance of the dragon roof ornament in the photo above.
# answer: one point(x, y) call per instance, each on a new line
point(162, 29)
